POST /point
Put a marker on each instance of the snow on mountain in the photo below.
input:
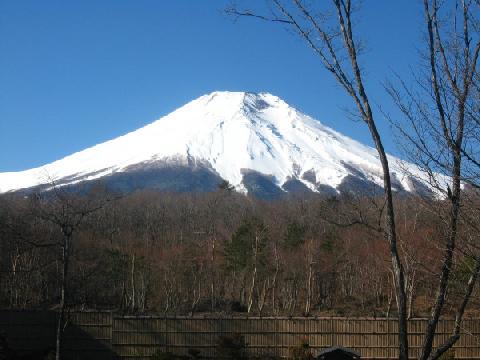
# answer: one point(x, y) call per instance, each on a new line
point(232, 134)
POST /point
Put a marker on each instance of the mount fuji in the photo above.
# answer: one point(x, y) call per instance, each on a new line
point(257, 142)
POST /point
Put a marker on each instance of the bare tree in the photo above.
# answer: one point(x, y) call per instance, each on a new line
point(441, 123)
point(330, 34)
point(66, 211)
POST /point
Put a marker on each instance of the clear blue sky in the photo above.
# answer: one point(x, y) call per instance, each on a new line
point(76, 73)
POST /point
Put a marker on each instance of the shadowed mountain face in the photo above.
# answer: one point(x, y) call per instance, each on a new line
point(261, 186)
point(201, 178)
point(295, 186)
point(169, 178)
point(177, 178)
point(256, 142)
point(174, 178)
point(355, 185)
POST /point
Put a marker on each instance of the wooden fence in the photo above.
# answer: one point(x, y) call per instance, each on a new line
point(105, 335)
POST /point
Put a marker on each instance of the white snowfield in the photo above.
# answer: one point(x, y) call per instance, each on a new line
point(229, 131)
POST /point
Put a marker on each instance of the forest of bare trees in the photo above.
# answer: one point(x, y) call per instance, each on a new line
point(223, 252)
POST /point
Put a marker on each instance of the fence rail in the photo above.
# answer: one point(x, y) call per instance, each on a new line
point(106, 335)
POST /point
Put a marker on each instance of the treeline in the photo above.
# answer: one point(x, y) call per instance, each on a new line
point(152, 252)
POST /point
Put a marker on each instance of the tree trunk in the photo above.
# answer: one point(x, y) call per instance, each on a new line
point(212, 280)
point(132, 279)
point(459, 315)
point(274, 282)
point(63, 295)
point(308, 301)
point(447, 262)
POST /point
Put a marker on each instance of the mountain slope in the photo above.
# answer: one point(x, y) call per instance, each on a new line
point(245, 138)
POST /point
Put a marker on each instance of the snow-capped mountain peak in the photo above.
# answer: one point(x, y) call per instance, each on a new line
point(236, 136)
